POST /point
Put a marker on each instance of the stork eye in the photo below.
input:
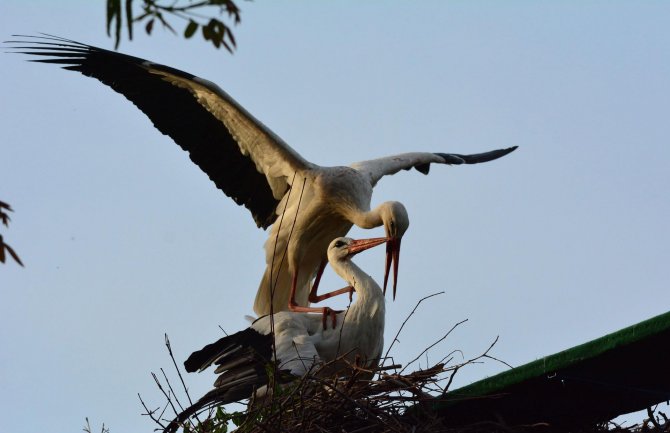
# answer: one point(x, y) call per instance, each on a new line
point(339, 244)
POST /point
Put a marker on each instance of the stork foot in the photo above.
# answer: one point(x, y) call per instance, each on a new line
point(329, 312)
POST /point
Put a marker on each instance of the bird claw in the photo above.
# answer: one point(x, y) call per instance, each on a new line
point(327, 311)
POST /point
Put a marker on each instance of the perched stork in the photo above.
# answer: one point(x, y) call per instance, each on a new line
point(306, 204)
point(300, 342)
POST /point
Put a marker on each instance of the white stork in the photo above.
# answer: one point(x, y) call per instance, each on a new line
point(304, 202)
point(300, 342)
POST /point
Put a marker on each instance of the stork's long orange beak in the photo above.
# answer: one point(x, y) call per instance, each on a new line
point(359, 245)
point(392, 256)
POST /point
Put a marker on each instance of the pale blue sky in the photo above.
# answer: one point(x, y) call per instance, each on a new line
point(124, 238)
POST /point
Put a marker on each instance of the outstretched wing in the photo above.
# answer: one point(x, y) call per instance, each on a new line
point(378, 168)
point(243, 158)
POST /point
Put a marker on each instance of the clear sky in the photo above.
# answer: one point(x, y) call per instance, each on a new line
point(124, 239)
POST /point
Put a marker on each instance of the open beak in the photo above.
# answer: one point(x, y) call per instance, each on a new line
point(392, 256)
point(359, 245)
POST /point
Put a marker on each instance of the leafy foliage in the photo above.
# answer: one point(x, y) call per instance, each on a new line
point(4, 218)
point(213, 29)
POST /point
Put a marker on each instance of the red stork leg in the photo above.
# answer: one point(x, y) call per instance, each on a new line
point(313, 297)
point(326, 311)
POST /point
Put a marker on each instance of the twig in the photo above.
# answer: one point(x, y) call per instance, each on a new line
point(174, 394)
point(150, 413)
point(406, 319)
point(174, 362)
point(434, 344)
point(167, 396)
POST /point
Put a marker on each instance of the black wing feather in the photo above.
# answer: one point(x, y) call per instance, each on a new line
point(173, 110)
point(475, 158)
point(243, 359)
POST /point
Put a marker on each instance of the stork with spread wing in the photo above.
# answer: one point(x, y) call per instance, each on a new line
point(254, 167)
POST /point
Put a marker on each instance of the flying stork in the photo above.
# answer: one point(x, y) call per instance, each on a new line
point(305, 203)
point(300, 342)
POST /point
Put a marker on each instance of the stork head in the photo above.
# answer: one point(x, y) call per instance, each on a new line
point(345, 248)
point(396, 221)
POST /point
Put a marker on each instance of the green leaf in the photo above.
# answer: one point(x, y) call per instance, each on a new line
point(190, 30)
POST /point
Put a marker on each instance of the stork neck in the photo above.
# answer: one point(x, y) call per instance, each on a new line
point(369, 219)
point(367, 290)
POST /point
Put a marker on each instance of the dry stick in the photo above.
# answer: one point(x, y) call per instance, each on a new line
point(652, 418)
point(273, 284)
point(339, 340)
point(300, 358)
point(447, 359)
point(290, 234)
point(486, 354)
point(172, 390)
point(281, 262)
point(432, 345)
point(167, 396)
point(470, 361)
point(169, 348)
point(160, 416)
point(403, 323)
point(150, 413)
point(274, 253)
point(174, 362)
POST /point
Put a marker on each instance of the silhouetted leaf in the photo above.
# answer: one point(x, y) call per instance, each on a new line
point(207, 32)
point(164, 22)
point(129, 18)
point(150, 26)
point(151, 11)
point(113, 11)
point(231, 37)
point(143, 15)
point(190, 30)
point(13, 254)
point(4, 217)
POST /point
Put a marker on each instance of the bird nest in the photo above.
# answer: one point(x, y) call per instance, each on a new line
point(358, 399)
point(383, 399)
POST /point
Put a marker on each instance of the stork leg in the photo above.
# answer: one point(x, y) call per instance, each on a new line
point(314, 298)
point(326, 311)
point(318, 298)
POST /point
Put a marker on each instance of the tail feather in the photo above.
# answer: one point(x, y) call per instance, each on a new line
point(226, 348)
point(241, 360)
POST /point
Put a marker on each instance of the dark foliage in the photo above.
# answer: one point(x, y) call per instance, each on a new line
point(205, 15)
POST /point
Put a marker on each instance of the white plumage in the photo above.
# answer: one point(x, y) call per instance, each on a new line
point(254, 167)
point(301, 342)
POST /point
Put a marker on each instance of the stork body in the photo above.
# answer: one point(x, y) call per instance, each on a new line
point(331, 201)
point(300, 340)
point(308, 204)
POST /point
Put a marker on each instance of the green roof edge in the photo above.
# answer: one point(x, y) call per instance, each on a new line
point(560, 360)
